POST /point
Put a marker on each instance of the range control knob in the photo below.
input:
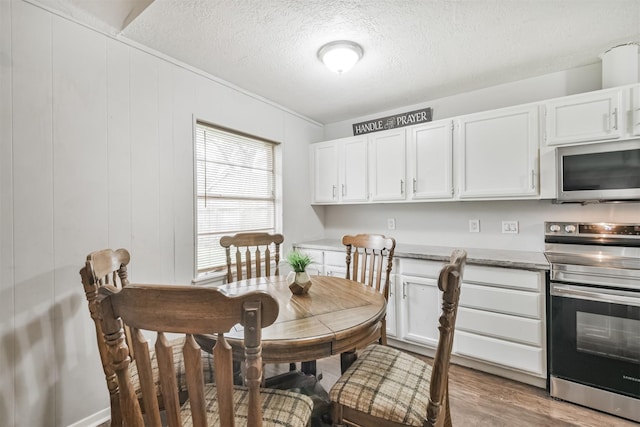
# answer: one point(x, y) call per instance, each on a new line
point(554, 227)
point(570, 228)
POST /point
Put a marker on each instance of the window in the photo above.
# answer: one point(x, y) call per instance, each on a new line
point(235, 190)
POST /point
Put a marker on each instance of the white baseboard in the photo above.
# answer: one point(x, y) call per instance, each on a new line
point(94, 419)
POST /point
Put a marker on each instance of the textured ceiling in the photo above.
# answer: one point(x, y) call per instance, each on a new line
point(415, 50)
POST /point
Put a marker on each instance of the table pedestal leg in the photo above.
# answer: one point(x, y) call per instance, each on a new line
point(237, 373)
point(308, 368)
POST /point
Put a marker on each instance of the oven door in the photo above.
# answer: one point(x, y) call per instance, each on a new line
point(595, 337)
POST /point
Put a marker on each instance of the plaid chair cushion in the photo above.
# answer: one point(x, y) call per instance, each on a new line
point(386, 383)
point(178, 361)
point(279, 407)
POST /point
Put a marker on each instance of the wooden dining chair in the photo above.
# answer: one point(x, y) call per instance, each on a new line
point(109, 267)
point(252, 255)
point(369, 261)
point(187, 310)
point(387, 387)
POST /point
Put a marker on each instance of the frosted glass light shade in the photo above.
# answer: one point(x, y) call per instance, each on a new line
point(340, 56)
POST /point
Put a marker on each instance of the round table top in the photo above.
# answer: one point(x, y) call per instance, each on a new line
point(335, 316)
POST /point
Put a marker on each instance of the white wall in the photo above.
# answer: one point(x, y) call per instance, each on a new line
point(447, 224)
point(578, 80)
point(97, 152)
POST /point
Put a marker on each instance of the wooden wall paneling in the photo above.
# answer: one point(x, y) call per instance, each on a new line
point(166, 177)
point(80, 203)
point(35, 366)
point(184, 88)
point(301, 221)
point(7, 313)
point(145, 223)
point(228, 107)
point(119, 147)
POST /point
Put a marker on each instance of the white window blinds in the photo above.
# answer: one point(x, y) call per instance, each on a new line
point(235, 183)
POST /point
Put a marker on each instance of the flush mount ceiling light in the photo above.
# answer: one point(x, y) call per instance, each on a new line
point(340, 56)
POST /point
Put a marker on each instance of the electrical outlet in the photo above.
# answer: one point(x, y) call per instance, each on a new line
point(391, 223)
point(510, 227)
point(474, 226)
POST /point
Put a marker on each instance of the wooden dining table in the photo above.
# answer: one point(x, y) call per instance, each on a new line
point(336, 316)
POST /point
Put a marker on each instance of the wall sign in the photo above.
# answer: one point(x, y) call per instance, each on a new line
point(391, 122)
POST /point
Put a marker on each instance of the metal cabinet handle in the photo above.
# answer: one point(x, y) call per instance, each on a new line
point(533, 177)
point(414, 185)
point(615, 118)
point(589, 294)
point(401, 186)
point(404, 290)
point(333, 192)
point(342, 190)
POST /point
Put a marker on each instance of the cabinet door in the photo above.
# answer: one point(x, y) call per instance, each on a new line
point(354, 177)
point(324, 160)
point(586, 117)
point(317, 260)
point(420, 308)
point(430, 157)
point(388, 175)
point(635, 110)
point(392, 324)
point(498, 154)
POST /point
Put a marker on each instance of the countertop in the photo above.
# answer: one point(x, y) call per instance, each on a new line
point(490, 257)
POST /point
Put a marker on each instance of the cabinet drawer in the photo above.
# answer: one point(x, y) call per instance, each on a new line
point(508, 301)
point(504, 277)
point(518, 356)
point(512, 328)
point(414, 267)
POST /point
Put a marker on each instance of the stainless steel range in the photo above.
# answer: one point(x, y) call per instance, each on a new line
point(594, 315)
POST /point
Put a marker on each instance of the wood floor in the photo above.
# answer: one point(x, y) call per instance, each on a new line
point(484, 400)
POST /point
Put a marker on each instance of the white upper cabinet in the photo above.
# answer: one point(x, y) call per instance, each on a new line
point(387, 178)
point(497, 154)
point(635, 111)
point(324, 175)
point(430, 160)
point(339, 170)
point(353, 170)
point(586, 117)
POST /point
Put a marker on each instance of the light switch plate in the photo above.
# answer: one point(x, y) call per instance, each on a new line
point(391, 223)
point(474, 226)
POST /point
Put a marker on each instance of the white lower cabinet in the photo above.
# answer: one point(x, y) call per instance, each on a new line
point(500, 317)
point(419, 307)
point(500, 323)
point(335, 264)
point(316, 268)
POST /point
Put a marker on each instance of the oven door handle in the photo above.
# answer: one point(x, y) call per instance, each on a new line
point(612, 296)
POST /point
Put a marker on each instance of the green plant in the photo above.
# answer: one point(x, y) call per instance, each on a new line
point(298, 261)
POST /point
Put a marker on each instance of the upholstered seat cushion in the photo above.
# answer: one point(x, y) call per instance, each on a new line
point(178, 362)
point(279, 408)
point(386, 383)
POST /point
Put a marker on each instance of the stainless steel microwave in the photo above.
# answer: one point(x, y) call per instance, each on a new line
point(608, 171)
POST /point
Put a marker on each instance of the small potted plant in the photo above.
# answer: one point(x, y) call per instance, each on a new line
point(298, 280)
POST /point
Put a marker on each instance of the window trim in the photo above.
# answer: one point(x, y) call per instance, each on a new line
point(214, 274)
